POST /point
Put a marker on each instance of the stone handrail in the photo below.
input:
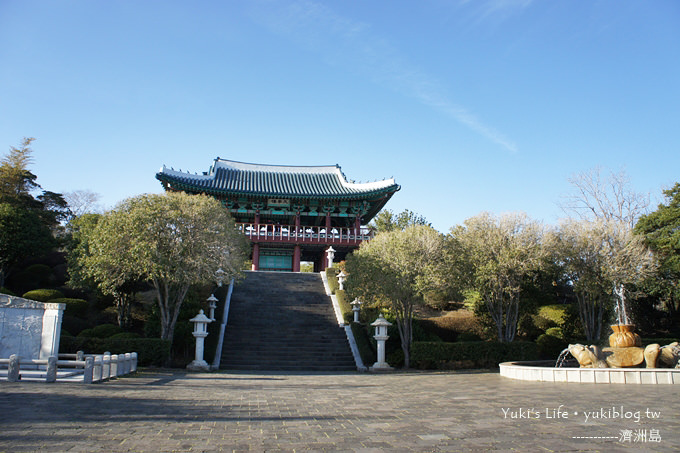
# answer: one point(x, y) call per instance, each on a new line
point(93, 367)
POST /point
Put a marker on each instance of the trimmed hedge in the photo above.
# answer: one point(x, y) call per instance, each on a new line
point(332, 275)
point(43, 295)
point(472, 354)
point(150, 351)
point(74, 307)
point(101, 331)
point(345, 307)
point(366, 350)
point(4, 290)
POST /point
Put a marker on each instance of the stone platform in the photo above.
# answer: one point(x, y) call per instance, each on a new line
point(167, 411)
point(546, 372)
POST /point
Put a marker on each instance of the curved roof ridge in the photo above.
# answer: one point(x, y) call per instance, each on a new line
point(246, 166)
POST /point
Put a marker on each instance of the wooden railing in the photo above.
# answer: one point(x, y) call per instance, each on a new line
point(305, 234)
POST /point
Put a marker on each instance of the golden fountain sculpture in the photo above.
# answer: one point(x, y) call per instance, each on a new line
point(625, 351)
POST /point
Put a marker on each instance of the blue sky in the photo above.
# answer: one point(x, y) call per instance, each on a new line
point(472, 106)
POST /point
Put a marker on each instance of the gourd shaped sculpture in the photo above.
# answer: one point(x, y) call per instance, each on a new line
point(624, 336)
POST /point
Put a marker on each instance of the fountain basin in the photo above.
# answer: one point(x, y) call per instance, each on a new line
point(545, 371)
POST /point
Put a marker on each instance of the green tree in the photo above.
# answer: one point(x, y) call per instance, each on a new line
point(600, 260)
point(661, 232)
point(29, 223)
point(16, 181)
point(499, 255)
point(22, 235)
point(172, 241)
point(386, 220)
point(396, 269)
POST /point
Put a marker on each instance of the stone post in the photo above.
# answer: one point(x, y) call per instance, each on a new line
point(381, 325)
point(201, 322)
point(51, 375)
point(115, 370)
point(97, 368)
point(13, 370)
point(106, 366)
point(89, 368)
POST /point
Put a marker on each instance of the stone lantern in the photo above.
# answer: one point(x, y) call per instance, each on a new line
point(212, 304)
point(381, 325)
point(341, 280)
point(356, 308)
point(330, 253)
point(201, 322)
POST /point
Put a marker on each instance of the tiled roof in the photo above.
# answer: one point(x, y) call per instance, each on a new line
point(230, 177)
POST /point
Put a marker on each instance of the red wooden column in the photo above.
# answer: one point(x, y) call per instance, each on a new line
point(357, 225)
point(256, 257)
point(324, 261)
point(296, 258)
point(328, 223)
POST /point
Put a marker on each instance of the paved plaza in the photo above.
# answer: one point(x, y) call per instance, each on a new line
point(422, 412)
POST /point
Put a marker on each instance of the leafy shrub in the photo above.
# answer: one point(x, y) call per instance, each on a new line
point(550, 346)
point(469, 336)
point(555, 332)
point(395, 358)
point(555, 313)
point(73, 324)
point(150, 351)
point(436, 299)
point(40, 274)
point(478, 354)
point(43, 295)
point(74, 307)
point(420, 333)
point(542, 323)
point(4, 290)
point(101, 331)
point(332, 275)
point(527, 329)
point(125, 335)
point(345, 307)
point(450, 327)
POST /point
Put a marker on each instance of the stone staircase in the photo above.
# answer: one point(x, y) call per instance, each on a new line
point(284, 321)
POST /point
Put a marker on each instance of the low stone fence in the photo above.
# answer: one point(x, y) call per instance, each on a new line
point(80, 367)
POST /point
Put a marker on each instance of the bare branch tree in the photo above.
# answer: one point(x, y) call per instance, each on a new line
point(83, 202)
point(606, 199)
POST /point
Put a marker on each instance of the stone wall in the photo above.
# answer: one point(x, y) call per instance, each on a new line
point(28, 328)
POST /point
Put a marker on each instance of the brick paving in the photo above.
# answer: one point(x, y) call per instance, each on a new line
point(169, 411)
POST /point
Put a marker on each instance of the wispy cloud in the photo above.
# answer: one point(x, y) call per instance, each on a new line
point(354, 46)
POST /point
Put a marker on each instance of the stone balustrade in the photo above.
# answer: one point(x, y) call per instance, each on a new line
point(87, 368)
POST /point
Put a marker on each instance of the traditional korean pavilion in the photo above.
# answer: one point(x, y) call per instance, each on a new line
point(290, 213)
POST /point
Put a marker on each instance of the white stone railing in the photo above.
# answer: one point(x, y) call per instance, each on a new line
point(87, 368)
point(305, 234)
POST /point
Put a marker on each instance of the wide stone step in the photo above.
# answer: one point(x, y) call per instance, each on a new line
point(284, 321)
